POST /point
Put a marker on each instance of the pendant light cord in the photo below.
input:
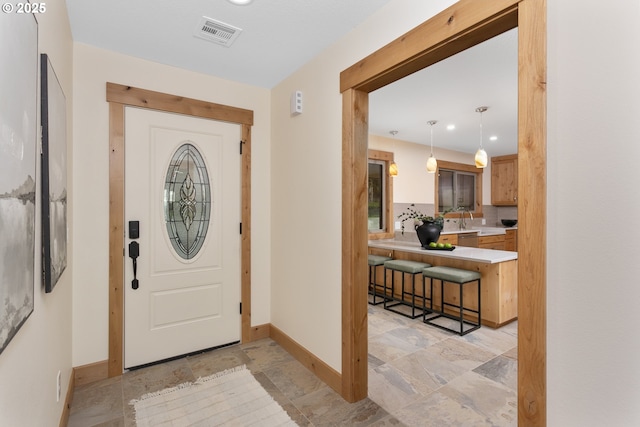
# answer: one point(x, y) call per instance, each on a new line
point(481, 129)
point(481, 110)
point(432, 122)
point(431, 140)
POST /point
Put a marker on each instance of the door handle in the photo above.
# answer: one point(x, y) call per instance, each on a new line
point(134, 252)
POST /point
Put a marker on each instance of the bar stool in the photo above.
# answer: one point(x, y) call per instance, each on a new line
point(376, 261)
point(404, 267)
point(459, 277)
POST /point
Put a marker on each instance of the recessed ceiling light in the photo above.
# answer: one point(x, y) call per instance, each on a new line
point(493, 138)
point(451, 127)
point(241, 2)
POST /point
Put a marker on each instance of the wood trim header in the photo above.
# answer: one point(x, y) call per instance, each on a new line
point(447, 33)
point(143, 98)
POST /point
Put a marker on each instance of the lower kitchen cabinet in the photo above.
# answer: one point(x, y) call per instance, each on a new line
point(448, 238)
point(496, 241)
point(381, 252)
point(511, 240)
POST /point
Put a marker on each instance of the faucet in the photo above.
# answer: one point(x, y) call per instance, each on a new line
point(462, 225)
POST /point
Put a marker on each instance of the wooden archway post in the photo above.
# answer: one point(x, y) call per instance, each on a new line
point(464, 24)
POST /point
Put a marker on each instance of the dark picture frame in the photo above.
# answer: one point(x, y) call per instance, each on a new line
point(18, 154)
point(53, 117)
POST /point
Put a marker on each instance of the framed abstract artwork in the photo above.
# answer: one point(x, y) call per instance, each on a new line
point(18, 150)
point(53, 117)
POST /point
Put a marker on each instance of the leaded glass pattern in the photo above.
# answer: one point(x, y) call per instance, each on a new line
point(187, 201)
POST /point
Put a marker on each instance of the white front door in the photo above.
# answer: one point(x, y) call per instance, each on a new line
point(182, 185)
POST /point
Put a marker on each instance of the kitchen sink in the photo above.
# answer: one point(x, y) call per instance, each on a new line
point(487, 231)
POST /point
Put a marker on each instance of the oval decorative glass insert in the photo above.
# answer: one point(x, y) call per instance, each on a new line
point(187, 201)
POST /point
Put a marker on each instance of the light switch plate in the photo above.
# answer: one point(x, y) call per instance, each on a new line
point(296, 103)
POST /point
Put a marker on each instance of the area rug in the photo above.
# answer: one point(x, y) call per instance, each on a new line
point(229, 398)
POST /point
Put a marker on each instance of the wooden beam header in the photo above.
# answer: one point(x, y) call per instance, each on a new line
point(449, 32)
point(128, 95)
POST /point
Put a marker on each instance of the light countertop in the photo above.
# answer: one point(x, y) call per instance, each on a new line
point(488, 256)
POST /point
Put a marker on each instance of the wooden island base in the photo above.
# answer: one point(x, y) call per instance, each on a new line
point(499, 280)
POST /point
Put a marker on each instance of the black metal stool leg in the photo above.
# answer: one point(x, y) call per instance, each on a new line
point(393, 286)
point(460, 286)
point(385, 288)
point(373, 288)
point(479, 303)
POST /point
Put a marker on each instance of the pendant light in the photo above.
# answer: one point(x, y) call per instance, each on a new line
point(481, 155)
point(393, 168)
point(432, 163)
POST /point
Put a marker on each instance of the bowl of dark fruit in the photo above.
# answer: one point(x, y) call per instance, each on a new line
point(509, 222)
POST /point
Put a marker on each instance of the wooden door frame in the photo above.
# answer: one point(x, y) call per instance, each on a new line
point(458, 27)
point(119, 97)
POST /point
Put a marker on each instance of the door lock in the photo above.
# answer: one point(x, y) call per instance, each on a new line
point(134, 229)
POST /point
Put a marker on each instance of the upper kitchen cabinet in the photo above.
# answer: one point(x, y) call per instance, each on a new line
point(504, 180)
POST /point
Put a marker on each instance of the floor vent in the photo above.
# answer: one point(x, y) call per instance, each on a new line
point(217, 32)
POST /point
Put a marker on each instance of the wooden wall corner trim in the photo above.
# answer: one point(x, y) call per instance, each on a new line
point(310, 361)
point(355, 235)
point(116, 237)
point(532, 215)
point(91, 372)
point(66, 410)
point(245, 268)
point(81, 375)
point(259, 332)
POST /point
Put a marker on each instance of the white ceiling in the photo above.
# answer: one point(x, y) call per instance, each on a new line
point(449, 92)
point(279, 36)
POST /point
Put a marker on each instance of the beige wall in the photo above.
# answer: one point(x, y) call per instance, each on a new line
point(92, 69)
point(413, 183)
point(593, 355)
point(29, 365)
point(307, 182)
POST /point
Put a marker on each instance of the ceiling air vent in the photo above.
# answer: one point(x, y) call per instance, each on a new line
point(217, 32)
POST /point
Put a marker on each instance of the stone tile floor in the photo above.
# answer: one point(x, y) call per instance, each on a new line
point(418, 376)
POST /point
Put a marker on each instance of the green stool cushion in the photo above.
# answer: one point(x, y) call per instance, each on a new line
point(378, 259)
point(406, 266)
point(451, 274)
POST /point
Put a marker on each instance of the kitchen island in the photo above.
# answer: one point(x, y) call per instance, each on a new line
point(499, 270)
